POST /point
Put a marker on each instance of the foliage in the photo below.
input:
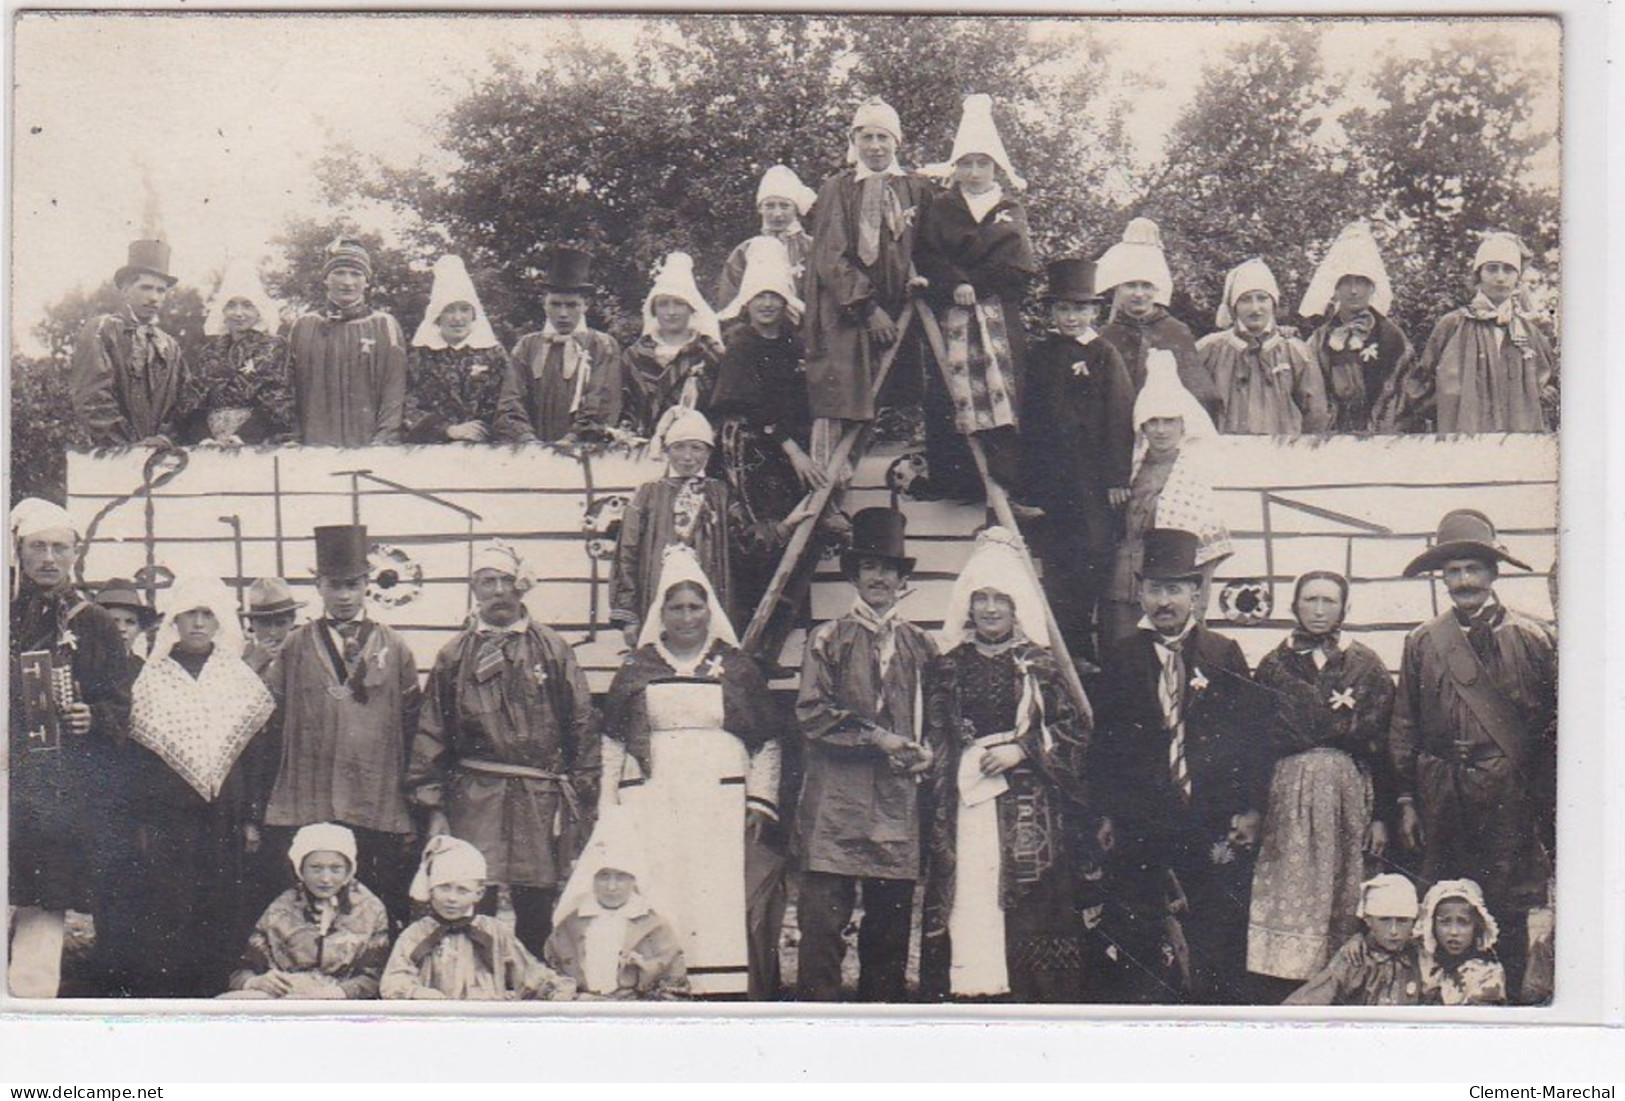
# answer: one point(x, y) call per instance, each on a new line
point(43, 428)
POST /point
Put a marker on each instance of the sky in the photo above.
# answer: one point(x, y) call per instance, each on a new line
point(209, 127)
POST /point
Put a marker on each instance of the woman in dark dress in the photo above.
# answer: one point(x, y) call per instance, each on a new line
point(239, 392)
point(455, 369)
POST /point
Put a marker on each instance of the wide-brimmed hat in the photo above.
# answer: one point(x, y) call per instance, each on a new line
point(1170, 555)
point(1463, 533)
point(271, 596)
point(1072, 280)
point(877, 533)
point(120, 592)
point(567, 270)
point(149, 257)
point(341, 551)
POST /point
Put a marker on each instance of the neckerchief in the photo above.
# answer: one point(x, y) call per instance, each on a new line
point(1351, 333)
point(1319, 648)
point(495, 649)
point(1087, 337)
point(878, 206)
point(332, 311)
point(1505, 316)
point(792, 230)
point(982, 205)
point(1481, 627)
point(484, 943)
point(347, 666)
point(689, 506)
point(574, 362)
point(883, 627)
point(143, 343)
point(324, 912)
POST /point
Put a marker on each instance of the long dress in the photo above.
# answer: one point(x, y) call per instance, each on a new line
point(1000, 910)
point(1335, 771)
point(447, 386)
point(240, 387)
point(690, 749)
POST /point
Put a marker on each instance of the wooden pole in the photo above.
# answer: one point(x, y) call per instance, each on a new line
point(1000, 503)
point(801, 538)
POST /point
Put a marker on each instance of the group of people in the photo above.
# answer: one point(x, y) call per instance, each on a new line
point(300, 813)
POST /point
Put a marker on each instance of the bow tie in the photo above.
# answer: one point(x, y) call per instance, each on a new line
point(560, 338)
point(1482, 309)
point(484, 943)
point(1303, 642)
point(1352, 333)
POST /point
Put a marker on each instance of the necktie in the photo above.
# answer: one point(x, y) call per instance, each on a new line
point(1171, 694)
point(142, 340)
point(349, 632)
point(493, 654)
point(877, 207)
point(570, 364)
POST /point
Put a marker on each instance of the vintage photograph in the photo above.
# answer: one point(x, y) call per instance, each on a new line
point(802, 508)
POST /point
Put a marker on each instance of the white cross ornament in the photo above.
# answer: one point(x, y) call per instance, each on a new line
point(1199, 681)
point(366, 344)
point(1342, 700)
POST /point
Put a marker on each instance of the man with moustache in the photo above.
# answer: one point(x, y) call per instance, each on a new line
point(69, 713)
point(1474, 735)
point(1181, 764)
point(128, 374)
point(507, 754)
point(347, 360)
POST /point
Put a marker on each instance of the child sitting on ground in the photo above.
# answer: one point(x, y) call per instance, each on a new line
point(326, 937)
point(454, 952)
point(606, 936)
point(1379, 966)
point(1458, 941)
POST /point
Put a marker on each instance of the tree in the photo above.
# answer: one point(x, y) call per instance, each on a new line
point(1254, 167)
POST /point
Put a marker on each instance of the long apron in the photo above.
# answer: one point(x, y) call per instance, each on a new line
point(692, 814)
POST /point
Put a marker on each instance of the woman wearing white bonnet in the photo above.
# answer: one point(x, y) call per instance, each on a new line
point(1360, 351)
point(201, 777)
point(1267, 382)
point(782, 200)
point(239, 392)
point(1168, 489)
point(1486, 367)
point(674, 361)
point(1134, 272)
point(1000, 916)
point(455, 366)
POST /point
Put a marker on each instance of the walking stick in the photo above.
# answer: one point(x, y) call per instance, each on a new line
point(801, 539)
point(1000, 503)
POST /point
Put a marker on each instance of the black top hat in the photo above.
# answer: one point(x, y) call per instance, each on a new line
point(1072, 281)
point(877, 533)
point(120, 592)
point(1170, 555)
point(1463, 533)
point(567, 269)
point(341, 551)
point(149, 257)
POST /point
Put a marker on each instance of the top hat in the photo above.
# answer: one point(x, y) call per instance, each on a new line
point(120, 592)
point(877, 533)
point(1072, 281)
point(1463, 533)
point(567, 269)
point(341, 551)
point(149, 257)
point(1170, 555)
point(271, 596)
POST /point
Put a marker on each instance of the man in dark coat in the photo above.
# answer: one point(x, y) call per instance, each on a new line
point(1474, 736)
point(69, 711)
point(128, 374)
point(1077, 434)
point(1181, 767)
point(858, 822)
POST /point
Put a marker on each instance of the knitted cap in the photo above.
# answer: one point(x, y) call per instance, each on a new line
point(347, 252)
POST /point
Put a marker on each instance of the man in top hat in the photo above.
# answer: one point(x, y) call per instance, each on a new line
point(1474, 734)
point(1077, 431)
point(566, 379)
point(1486, 366)
point(348, 699)
point(271, 612)
point(859, 272)
point(69, 711)
point(132, 615)
point(1182, 764)
point(858, 821)
point(347, 360)
point(129, 375)
point(507, 753)
point(1360, 351)
point(782, 200)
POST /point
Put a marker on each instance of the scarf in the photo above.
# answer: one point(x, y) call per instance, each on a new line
point(347, 666)
point(496, 646)
point(1480, 627)
point(878, 207)
point(883, 627)
point(1318, 648)
point(1351, 333)
point(484, 943)
point(574, 361)
point(199, 727)
point(144, 343)
point(982, 205)
point(1505, 316)
point(332, 311)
